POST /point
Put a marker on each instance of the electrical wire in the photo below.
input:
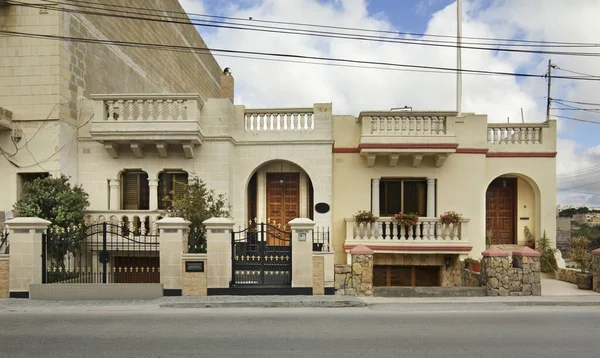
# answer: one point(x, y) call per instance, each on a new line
point(255, 20)
point(279, 55)
point(270, 29)
point(576, 102)
point(576, 119)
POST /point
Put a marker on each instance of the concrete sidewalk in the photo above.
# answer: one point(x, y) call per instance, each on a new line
point(290, 302)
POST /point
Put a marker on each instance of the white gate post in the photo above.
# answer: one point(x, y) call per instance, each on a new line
point(302, 256)
point(218, 249)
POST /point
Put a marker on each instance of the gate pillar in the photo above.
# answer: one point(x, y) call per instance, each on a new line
point(25, 254)
point(218, 248)
point(302, 255)
point(173, 243)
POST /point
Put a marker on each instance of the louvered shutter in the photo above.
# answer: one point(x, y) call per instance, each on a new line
point(131, 191)
point(180, 182)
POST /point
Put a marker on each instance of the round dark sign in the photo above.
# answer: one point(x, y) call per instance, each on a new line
point(322, 208)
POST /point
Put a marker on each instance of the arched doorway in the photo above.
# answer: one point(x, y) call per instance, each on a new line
point(279, 192)
point(512, 203)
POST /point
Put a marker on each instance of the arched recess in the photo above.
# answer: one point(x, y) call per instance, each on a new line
point(135, 194)
point(279, 191)
point(512, 202)
point(171, 184)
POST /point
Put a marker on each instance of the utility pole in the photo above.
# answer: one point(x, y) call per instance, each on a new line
point(549, 76)
point(458, 57)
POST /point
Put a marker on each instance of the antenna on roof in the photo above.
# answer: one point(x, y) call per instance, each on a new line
point(399, 108)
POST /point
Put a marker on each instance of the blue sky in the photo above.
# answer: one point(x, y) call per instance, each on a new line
point(498, 97)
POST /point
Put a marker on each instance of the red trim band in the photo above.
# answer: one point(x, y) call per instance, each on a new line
point(408, 146)
point(346, 150)
point(472, 150)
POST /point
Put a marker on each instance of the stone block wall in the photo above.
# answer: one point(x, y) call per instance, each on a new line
point(567, 275)
point(596, 270)
point(356, 279)
point(471, 279)
point(318, 275)
point(4, 276)
point(520, 278)
point(194, 283)
point(563, 236)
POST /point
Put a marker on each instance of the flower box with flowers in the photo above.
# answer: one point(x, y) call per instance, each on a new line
point(406, 219)
point(364, 217)
point(450, 217)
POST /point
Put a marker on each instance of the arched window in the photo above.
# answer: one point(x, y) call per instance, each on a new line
point(134, 190)
point(171, 185)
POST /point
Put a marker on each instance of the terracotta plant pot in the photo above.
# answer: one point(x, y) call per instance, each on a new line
point(584, 281)
point(474, 266)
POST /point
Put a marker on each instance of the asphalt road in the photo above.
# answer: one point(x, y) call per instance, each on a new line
point(442, 330)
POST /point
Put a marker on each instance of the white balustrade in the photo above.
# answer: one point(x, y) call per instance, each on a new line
point(264, 120)
point(386, 230)
point(515, 134)
point(143, 222)
point(150, 108)
point(409, 125)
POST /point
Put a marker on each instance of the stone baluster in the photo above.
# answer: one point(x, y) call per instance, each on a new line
point(140, 109)
point(394, 228)
point(418, 231)
point(434, 126)
point(536, 136)
point(455, 231)
point(179, 109)
point(489, 135)
point(388, 228)
point(442, 126)
point(160, 104)
point(438, 231)
point(130, 110)
point(402, 233)
point(529, 136)
point(150, 109)
point(379, 231)
point(111, 110)
point(170, 109)
point(356, 227)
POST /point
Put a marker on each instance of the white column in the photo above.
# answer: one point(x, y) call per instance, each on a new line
point(173, 243)
point(430, 197)
point(375, 197)
point(153, 184)
point(218, 248)
point(25, 253)
point(261, 196)
point(303, 195)
point(302, 264)
point(114, 194)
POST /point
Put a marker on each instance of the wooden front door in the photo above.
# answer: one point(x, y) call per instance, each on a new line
point(500, 200)
point(283, 198)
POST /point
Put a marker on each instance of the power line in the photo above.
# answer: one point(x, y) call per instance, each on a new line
point(270, 29)
point(577, 73)
point(577, 119)
point(576, 102)
point(254, 20)
point(272, 54)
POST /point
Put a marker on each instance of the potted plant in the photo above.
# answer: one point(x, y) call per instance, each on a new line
point(529, 238)
point(450, 217)
point(406, 219)
point(472, 264)
point(580, 254)
point(364, 217)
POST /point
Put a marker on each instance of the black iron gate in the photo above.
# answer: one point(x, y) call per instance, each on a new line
point(261, 255)
point(100, 253)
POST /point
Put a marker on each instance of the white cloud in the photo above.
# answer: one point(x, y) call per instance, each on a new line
point(280, 84)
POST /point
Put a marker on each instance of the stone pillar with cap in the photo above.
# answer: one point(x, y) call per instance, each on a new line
point(525, 270)
point(494, 271)
point(596, 270)
point(362, 270)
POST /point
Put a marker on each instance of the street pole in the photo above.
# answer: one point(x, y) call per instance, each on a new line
point(549, 75)
point(458, 57)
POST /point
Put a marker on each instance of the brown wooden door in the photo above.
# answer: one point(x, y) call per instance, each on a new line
point(500, 201)
point(283, 198)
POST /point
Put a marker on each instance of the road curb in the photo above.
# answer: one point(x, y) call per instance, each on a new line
point(290, 304)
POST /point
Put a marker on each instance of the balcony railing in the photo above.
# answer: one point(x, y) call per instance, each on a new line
point(160, 107)
point(526, 133)
point(285, 119)
point(430, 234)
point(135, 220)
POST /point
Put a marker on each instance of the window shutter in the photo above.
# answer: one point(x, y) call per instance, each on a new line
point(180, 182)
point(131, 191)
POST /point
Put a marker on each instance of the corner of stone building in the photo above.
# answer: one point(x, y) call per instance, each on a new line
point(227, 85)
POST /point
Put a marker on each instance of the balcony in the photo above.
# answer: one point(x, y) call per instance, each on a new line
point(139, 123)
point(413, 134)
point(526, 138)
point(428, 236)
